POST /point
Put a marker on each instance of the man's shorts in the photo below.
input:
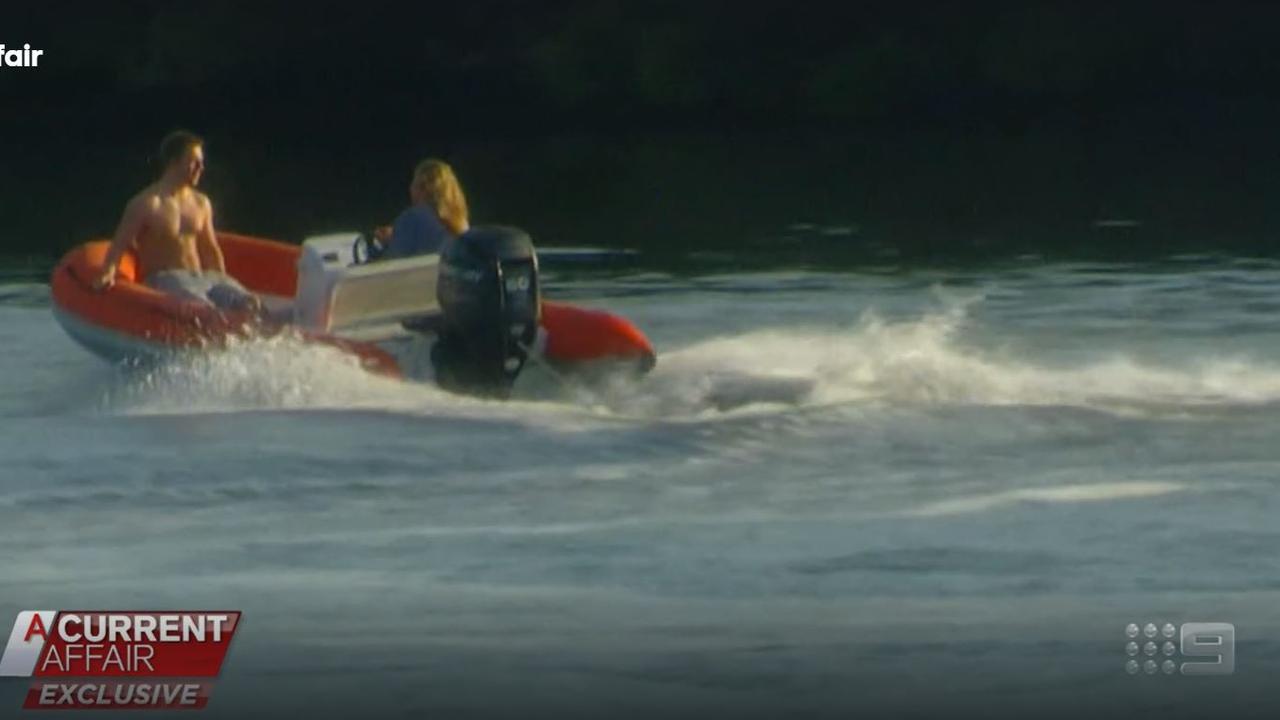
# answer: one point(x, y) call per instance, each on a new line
point(208, 288)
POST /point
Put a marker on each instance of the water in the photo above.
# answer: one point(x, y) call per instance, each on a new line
point(893, 490)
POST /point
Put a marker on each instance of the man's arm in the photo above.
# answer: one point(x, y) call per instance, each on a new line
point(131, 223)
point(207, 242)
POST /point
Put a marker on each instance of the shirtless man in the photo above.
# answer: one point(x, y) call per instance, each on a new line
point(170, 226)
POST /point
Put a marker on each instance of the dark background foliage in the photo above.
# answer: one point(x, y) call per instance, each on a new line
point(928, 126)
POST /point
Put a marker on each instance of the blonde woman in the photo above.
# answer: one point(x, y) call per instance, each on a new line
point(438, 213)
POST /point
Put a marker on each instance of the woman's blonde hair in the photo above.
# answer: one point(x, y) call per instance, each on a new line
point(440, 188)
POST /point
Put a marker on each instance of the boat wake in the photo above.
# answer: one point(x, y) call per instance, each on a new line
point(917, 362)
point(280, 373)
point(926, 362)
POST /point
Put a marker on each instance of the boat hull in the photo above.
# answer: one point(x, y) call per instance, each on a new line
point(130, 321)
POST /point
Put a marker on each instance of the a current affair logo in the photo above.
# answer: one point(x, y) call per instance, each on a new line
point(20, 58)
point(58, 645)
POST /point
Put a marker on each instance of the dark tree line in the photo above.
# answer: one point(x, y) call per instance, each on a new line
point(329, 101)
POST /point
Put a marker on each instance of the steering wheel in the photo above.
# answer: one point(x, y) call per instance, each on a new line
point(364, 250)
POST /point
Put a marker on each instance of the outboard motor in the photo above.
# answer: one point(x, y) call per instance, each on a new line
point(490, 301)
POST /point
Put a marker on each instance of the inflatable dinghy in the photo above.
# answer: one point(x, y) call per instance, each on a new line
point(476, 309)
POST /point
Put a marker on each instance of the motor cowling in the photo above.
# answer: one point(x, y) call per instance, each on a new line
point(490, 299)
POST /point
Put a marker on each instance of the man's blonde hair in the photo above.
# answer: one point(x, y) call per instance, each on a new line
point(443, 193)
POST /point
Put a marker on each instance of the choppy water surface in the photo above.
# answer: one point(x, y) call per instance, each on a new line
point(835, 490)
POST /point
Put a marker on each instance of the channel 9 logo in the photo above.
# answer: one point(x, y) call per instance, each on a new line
point(1212, 643)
